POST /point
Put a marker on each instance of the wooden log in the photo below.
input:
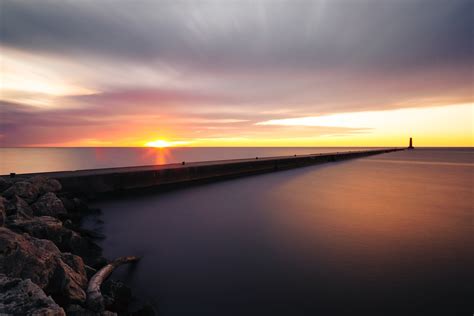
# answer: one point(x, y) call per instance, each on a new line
point(95, 300)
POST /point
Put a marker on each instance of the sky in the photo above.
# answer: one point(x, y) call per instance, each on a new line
point(236, 73)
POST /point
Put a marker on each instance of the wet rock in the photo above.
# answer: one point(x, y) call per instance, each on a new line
point(23, 297)
point(41, 261)
point(45, 185)
point(24, 190)
point(49, 204)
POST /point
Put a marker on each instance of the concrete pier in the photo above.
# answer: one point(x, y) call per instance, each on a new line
point(97, 182)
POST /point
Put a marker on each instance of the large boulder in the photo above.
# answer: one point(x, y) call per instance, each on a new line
point(23, 297)
point(24, 190)
point(49, 204)
point(67, 240)
point(45, 185)
point(41, 261)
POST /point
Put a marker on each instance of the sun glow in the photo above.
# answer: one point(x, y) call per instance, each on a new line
point(160, 143)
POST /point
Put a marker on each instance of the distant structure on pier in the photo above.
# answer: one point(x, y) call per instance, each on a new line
point(411, 144)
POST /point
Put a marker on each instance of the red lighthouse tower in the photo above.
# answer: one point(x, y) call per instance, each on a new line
point(411, 144)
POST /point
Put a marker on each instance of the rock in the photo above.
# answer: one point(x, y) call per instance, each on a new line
point(49, 204)
point(3, 213)
point(23, 297)
point(71, 283)
point(68, 204)
point(41, 261)
point(43, 227)
point(5, 183)
point(24, 190)
point(117, 296)
point(67, 240)
point(27, 257)
point(45, 185)
point(18, 207)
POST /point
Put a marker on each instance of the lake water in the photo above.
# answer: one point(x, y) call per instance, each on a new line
point(386, 234)
point(27, 160)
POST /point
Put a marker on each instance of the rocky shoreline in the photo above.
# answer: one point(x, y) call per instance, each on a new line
point(47, 260)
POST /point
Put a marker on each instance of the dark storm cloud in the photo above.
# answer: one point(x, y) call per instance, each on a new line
point(249, 34)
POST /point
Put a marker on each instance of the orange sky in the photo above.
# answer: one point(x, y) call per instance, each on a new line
point(238, 75)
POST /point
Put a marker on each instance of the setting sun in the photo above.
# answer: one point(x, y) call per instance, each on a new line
point(159, 143)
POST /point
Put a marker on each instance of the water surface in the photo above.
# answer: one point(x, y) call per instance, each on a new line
point(28, 160)
point(389, 233)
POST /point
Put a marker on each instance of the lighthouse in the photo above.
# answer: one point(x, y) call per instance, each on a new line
point(411, 144)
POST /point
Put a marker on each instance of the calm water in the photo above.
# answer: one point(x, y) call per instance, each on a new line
point(389, 233)
point(26, 160)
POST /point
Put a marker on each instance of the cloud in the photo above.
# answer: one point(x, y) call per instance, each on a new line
point(209, 69)
point(249, 34)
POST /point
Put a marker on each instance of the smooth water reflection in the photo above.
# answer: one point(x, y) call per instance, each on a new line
point(366, 235)
point(27, 160)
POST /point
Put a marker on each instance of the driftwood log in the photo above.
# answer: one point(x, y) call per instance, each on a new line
point(95, 300)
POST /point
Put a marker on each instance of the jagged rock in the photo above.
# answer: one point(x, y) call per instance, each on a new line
point(49, 204)
point(5, 183)
point(45, 185)
point(23, 297)
point(41, 261)
point(67, 240)
point(23, 189)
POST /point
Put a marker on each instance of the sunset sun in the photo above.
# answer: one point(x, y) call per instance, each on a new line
point(160, 143)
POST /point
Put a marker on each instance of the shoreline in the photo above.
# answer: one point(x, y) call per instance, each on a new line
point(48, 262)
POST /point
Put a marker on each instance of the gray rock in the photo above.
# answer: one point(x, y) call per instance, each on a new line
point(49, 204)
point(23, 297)
point(23, 189)
point(41, 261)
